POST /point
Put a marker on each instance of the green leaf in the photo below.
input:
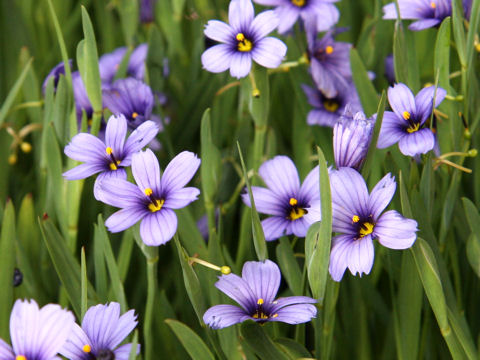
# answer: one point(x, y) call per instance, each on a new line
point(289, 266)
point(473, 242)
point(7, 104)
point(129, 19)
point(442, 54)
point(66, 265)
point(133, 349)
point(192, 343)
point(459, 32)
point(257, 92)
point(318, 239)
point(260, 343)
point(366, 90)
point(84, 282)
point(117, 285)
point(7, 265)
point(293, 349)
point(257, 230)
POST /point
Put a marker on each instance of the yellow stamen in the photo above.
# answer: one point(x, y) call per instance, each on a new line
point(329, 49)
point(114, 166)
point(26, 147)
point(406, 115)
point(148, 191)
point(109, 150)
point(366, 229)
point(260, 301)
point(413, 128)
point(296, 213)
point(86, 348)
point(355, 218)
point(298, 3)
point(275, 315)
point(21, 357)
point(331, 105)
point(12, 159)
point(293, 201)
point(433, 5)
point(154, 207)
point(134, 115)
point(244, 45)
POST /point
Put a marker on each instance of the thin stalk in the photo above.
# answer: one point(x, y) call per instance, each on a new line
point(152, 264)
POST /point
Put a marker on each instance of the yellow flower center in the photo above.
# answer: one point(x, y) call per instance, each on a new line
point(293, 201)
point(114, 163)
point(296, 212)
point(299, 3)
point(244, 45)
point(413, 128)
point(259, 314)
point(260, 301)
point(331, 105)
point(406, 115)
point(329, 49)
point(433, 5)
point(134, 115)
point(355, 218)
point(155, 204)
point(366, 229)
point(109, 150)
point(20, 357)
point(86, 348)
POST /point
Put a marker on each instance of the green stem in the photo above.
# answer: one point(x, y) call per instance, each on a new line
point(152, 263)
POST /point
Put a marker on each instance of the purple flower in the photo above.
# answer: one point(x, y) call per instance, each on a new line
point(390, 69)
point(329, 61)
point(55, 73)
point(243, 40)
point(405, 124)
point(136, 63)
point(351, 139)
point(323, 12)
point(37, 334)
point(131, 98)
point(358, 217)
point(109, 157)
point(82, 102)
point(255, 292)
point(428, 13)
point(147, 8)
point(153, 199)
point(103, 329)
point(294, 207)
point(109, 63)
point(327, 110)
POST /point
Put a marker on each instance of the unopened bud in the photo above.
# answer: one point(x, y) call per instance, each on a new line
point(12, 159)
point(467, 134)
point(225, 270)
point(26, 147)
point(472, 152)
point(256, 93)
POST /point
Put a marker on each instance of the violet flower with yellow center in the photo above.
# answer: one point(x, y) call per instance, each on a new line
point(255, 292)
point(294, 207)
point(109, 157)
point(154, 198)
point(242, 40)
point(358, 217)
point(405, 124)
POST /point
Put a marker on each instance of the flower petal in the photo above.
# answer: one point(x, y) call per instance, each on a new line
point(349, 190)
point(125, 218)
point(291, 300)
point(310, 189)
point(295, 314)
point(424, 24)
point(222, 316)
point(124, 325)
point(360, 256)
point(401, 100)
point(395, 231)
point(158, 228)
point(6, 351)
point(123, 352)
point(115, 134)
point(241, 63)
point(99, 323)
point(240, 15)
point(339, 256)
point(119, 174)
point(424, 101)
point(87, 148)
point(418, 142)
point(73, 347)
point(269, 52)
point(263, 24)
point(219, 31)
point(138, 139)
point(83, 171)
point(281, 176)
point(146, 171)
point(275, 227)
point(179, 171)
point(218, 58)
point(381, 195)
point(180, 198)
point(263, 278)
point(288, 15)
point(327, 16)
point(391, 131)
point(300, 227)
point(237, 289)
point(322, 118)
point(119, 193)
point(266, 201)
point(313, 96)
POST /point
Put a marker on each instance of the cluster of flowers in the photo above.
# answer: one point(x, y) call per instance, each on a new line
point(44, 333)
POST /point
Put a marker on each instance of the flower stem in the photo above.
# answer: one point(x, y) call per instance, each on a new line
point(152, 264)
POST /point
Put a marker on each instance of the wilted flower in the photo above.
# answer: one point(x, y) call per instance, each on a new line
point(153, 199)
point(323, 13)
point(147, 8)
point(358, 217)
point(390, 69)
point(131, 98)
point(329, 61)
point(352, 135)
point(294, 207)
point(327, 110)
point(428, 13)
point(243, 40)
point(37, 334)
point(109, 157)
point(405, 124)
point(55, 74)
point(103, 329)
point(255, 292)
